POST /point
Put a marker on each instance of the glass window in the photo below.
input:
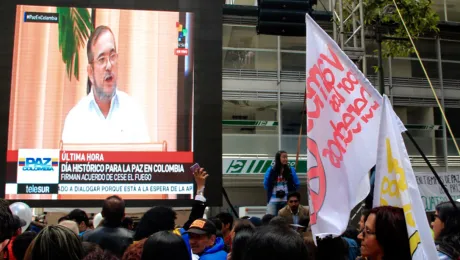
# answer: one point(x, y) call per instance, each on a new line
point(249, 60)
point(450, 50)
point(293, 61)
point(293, 43)
point(246, 37)
point(249, 117)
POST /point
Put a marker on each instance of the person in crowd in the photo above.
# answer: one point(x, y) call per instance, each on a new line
point(385, 235)
point(72, 225)
point(446, 228)
point(266, 219)
point(227, 225)
point(100, 255)
point(279, 180)
point(165, 245)
point(21, 243)
point(89, 247)
point(362, 219)
point(275, 242)
point(204, 242)
point(55, 242)
point(7, 224)
point(18, 224)
point(128, 223)
point(134, 251)
point(239, 244)
point(155, 219)
point(256, 221)
point(332, 248)
point(218, 225)
point(278, 221)
point(111, 236)
point(82, 220)
point(293, 212)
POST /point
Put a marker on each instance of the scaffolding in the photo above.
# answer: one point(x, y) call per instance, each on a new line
point(348, 29)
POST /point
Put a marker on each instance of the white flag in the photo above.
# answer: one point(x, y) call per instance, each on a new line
point(395, 184)
point(343, 116)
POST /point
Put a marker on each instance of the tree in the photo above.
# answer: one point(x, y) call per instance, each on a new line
point(418, 15)
point(75, 26)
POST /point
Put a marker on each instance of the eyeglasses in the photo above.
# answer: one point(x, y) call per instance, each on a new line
point(367, 232)
point(102, 60)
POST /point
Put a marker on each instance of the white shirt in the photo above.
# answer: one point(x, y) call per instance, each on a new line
point(125, 122)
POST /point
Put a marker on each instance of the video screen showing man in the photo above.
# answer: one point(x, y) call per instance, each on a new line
point(106, 114)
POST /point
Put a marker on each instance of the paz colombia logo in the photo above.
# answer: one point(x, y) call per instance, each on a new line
point(38, 163)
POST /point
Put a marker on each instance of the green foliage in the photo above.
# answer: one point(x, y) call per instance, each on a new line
point(74, 28)
point(420, 19)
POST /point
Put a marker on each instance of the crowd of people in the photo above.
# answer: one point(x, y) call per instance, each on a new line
point(285, 234)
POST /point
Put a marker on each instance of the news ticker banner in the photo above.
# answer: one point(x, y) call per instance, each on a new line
point(52, 171)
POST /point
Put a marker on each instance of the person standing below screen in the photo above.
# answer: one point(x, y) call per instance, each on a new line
point(279, 180)
point(106, 114)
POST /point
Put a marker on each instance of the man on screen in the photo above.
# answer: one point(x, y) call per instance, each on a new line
point(106, 114)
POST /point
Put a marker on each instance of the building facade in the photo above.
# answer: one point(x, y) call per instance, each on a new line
point(264, 83)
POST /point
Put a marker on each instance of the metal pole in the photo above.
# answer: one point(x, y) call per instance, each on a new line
point(441, 83)
point(279, 92)
point(445, 10)
point(380, 59)
point(390, 77)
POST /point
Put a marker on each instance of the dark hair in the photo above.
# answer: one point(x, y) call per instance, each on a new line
point(155, 219)
point(78, 216)
point(165, 245)
point(113, 210)
point(246, 217)
point(449, 238)
point(240, 242)
point(7, 222)
point(332, 248)
point(278, 221)
point(66, 217)
point(365, 212)
point(216, 221)
point(93, 38)
point(293, 194)
point(275, 242)
point(266, 219)
point(101, 255)
point(56, 242)
point(134, 251)
point(391, 232)
point(126, 222)
point(243, 224)
point(226, 218)
point(89, 247)
point(279, 165)
point(21, 243)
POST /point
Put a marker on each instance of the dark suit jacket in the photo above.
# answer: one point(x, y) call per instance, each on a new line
point(113, 239)
point(303, 213)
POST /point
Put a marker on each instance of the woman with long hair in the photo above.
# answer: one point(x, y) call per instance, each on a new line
point(55, 242)
point(385, 235)
point(446, 229)
point(279, 180)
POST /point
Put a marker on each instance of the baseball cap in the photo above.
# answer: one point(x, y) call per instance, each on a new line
point(202, 226)
point(18, 222)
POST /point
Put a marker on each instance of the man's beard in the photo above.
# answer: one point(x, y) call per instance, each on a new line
point(100, 93)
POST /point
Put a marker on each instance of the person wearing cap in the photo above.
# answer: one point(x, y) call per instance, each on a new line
point(204, 242)
point(18, 224)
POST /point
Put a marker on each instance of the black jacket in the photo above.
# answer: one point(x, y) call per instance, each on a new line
point(113, 239)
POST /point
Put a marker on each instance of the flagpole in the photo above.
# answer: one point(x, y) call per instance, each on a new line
point(432, 169)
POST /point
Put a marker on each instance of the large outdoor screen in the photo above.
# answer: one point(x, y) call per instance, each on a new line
point(102, 102)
